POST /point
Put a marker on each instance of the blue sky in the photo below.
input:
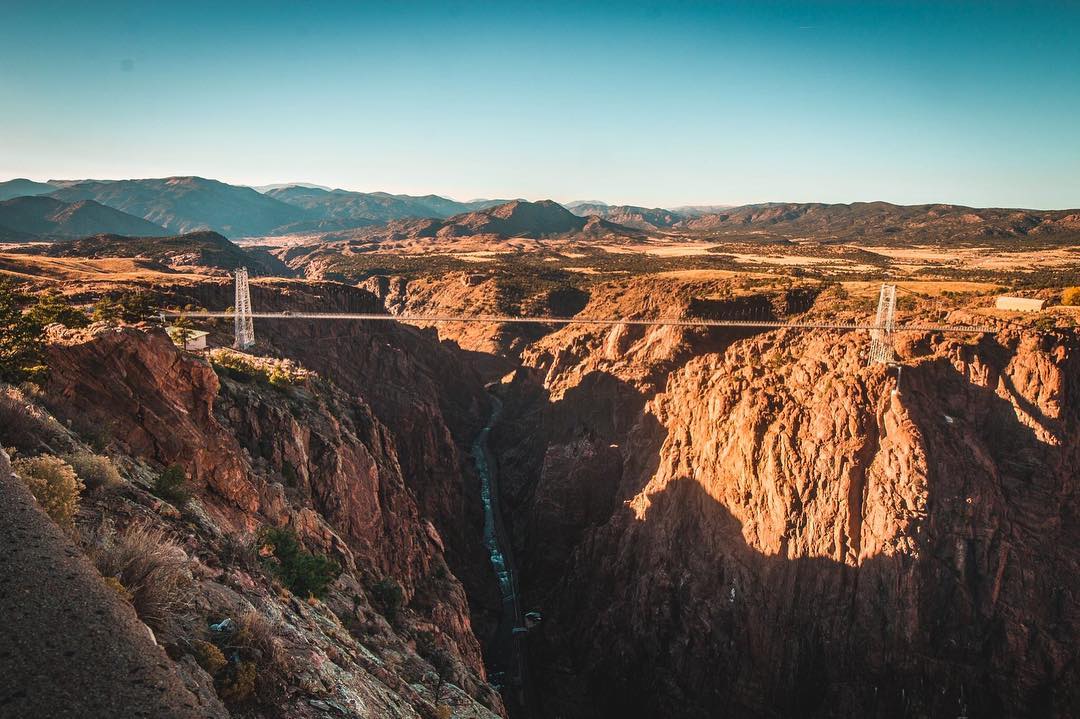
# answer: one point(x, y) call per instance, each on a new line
point(644, 103)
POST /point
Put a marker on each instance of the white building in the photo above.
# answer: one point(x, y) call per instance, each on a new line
point(196, 339)
point(1019, 304)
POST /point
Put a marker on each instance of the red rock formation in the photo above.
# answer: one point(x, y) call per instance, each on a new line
point(768, 530)
point(308, 456)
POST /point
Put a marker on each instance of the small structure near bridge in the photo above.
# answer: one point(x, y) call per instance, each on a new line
point(1019, 304)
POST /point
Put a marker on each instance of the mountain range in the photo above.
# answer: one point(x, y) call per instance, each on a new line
point(344, 207)
point(185, 204)
point(886, 223)
point(176, 205)
point(516, 218)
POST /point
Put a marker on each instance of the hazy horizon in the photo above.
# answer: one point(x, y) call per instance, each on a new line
point(537, 198)
point(656, 105)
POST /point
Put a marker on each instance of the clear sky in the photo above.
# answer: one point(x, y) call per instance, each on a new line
point(645, 103)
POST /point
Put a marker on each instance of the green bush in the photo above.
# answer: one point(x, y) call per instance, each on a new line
point(52, 308)
point(136, 307)
point(171, 485)
point(22, 355)
point(242, 367)
point(304, 573)
point(388, 597)
point(107, 310)
point(54, 484)
point(95, 470)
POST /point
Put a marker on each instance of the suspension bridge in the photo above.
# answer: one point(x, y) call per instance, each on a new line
point(881, 330)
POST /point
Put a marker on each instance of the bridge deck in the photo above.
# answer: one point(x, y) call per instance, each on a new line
point(662, 321)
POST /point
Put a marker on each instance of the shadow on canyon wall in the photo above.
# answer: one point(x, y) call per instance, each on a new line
point(674, 614)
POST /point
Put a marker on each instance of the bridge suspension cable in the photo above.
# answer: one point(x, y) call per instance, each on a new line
point(659, 321)
point(882, 329)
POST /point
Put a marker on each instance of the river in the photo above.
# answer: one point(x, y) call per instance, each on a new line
point(505, 655)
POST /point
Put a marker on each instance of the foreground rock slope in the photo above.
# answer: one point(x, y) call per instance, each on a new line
point(393, 634)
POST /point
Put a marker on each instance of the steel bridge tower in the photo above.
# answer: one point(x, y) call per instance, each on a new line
point(881, 348)
point(245, 326)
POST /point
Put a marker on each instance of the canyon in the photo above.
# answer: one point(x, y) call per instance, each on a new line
point(709, 521)
point(578, 520)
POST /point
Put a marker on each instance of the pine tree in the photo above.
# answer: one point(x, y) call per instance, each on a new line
point(22, 354)
point(51, 308)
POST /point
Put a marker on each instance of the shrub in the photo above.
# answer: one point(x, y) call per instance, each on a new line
point(114, 584)
point(304, 573)
point(239, 550)
point(95, 470)
point(107, 310)
point(171, 485)
point(136, 307)
point(23, 425)
point(92, 430)
point(54, 484)
point(257, 660)
point(1046, 323)
point(388, 597)
point(255, 640)
point(243, 367)
point(52, 308)
point(151, 566)
point(238, 684)
point(208, 656)
point(1070, 296)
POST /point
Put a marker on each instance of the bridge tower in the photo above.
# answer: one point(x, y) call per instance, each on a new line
point(245, 327)
point(881, 349)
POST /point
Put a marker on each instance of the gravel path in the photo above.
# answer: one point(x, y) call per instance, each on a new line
point(69, 645)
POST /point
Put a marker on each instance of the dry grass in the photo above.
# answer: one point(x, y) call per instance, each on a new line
point(37, 267)
point(54, 484)
point(96, 471)
point(255, 638)
point(24, 425)
point(151, 566)
point(931, 288)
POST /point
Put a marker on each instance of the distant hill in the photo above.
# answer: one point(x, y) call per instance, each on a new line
point(194, 249)
point(518, 218)
point(277, 186)
point(643, 218)
point(21, 187)
point(885, 222)
point(344, 208)
point(43, 217)
point(185, 204)
point(575, 204)
point(696, 210)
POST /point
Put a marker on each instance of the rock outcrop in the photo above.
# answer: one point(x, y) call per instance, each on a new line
point(303, 455)
point(767, 527)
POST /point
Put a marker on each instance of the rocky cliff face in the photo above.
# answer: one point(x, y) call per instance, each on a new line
point(763, 526)
point(304, 455)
